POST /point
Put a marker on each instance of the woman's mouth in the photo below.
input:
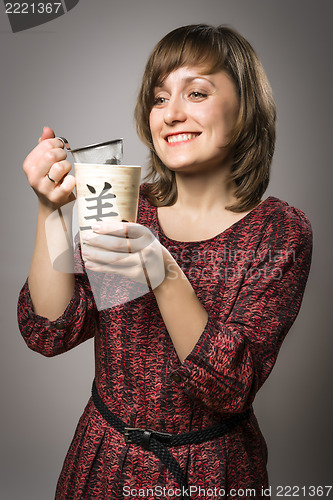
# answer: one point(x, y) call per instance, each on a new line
point(180, 138)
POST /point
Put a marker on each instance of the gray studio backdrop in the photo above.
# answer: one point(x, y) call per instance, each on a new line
point(80, 74)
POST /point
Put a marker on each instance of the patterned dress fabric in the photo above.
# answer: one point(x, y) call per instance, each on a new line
point(251, 280)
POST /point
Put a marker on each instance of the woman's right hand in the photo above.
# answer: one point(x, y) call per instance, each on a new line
point(49, 158)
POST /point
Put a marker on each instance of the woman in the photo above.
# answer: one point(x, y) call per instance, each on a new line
point(190, 354)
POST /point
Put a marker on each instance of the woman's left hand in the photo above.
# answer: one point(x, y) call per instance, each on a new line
point(125, 248)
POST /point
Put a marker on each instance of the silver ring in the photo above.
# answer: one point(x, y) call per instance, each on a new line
point(64, 141)
point(50, 178)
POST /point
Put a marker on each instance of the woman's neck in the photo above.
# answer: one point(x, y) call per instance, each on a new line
point(204, 191)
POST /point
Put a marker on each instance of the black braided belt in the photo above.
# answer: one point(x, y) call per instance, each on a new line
point(159, 442)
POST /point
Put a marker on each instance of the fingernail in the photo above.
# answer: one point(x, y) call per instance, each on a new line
point(96, 226)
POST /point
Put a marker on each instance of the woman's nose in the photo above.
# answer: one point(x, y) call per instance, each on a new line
point(174, 111)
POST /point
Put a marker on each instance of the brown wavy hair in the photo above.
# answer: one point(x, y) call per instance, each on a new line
point(253, 141)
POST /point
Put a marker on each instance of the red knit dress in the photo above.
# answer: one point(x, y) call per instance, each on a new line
point(251, 280)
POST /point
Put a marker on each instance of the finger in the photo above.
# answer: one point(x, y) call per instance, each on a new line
point(64, 142)
point(54, 155)
point(50, 143)
point(138, 273)
point(47, 133)
point(43, 155)
point(105, 253)
point(132, 272)
point(108, 242)
point(115, 243)
point(68, 184)
point(100, 256)
point(58, 170)
point(60, 193)
point(125, 229)
point(40, 160)
point(53, 142)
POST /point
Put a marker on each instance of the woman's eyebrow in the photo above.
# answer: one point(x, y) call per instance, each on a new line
point(186, 80)
point(190, 79)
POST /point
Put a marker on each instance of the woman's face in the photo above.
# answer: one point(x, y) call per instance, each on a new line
point(192, 119)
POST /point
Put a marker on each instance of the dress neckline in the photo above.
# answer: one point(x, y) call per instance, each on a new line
point(230, 228)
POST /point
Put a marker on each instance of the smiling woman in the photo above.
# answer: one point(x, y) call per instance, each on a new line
point(178, 368)
point(192, 120)
point(210, 51)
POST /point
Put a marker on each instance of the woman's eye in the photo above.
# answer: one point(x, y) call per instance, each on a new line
point(158, 101)
point(197, 95)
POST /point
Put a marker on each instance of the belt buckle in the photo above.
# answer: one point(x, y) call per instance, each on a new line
point(163, 437)
point(127, 430)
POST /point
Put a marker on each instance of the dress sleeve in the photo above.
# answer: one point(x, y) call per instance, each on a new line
point(236, 352)
point(74, 326)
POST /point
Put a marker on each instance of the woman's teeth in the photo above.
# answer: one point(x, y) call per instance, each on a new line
point(181, 137)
